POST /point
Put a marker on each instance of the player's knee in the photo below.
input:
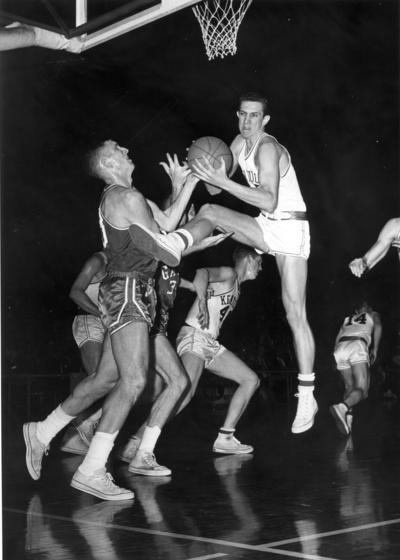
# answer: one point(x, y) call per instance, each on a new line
point(132, 387)
point(253, 382)
point(182, 384)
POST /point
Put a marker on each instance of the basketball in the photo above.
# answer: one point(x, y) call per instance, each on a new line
point(212, 149)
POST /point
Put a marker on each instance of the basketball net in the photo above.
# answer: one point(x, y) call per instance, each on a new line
point(219, 22)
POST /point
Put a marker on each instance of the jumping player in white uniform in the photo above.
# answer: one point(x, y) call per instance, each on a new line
point(356, 346)
point(281, 229)
point(389, 236)
point(198, 346)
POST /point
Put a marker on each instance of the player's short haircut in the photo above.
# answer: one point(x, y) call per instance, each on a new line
point(362, 303)
point(241, 252)
point(94, 156)
point(255, 96)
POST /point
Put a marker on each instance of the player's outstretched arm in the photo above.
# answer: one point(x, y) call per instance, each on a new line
point(183, 184)
point(378, 250)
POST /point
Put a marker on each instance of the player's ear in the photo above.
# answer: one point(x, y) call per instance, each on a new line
point(266, 119)
point(238, 114)
point(106, 162)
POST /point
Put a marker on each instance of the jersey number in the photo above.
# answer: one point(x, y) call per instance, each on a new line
point(223, 312)
point(359, 319)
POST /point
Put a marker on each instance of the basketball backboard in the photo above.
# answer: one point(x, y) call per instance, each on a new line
point(98, 20)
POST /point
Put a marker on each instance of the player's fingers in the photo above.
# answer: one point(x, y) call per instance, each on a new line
point(165, 167)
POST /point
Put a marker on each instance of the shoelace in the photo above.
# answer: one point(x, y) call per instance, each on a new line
point(150, 460)
point(306, 403)
point(108, 479)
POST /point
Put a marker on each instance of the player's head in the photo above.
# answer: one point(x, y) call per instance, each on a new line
point(248, 260)
point(255, 97)
point(109, 159)
point(362, 306)
point(252, 114)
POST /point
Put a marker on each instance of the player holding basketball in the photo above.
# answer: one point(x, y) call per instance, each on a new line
point(388, 236)
point(281, 229)
point(356, 347)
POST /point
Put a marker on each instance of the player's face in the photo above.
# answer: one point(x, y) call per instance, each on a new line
point(251, 118)
point(121, 156)
point(254, 267)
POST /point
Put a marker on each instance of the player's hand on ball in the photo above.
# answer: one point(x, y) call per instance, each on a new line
point(205, 171)
point(176, 172)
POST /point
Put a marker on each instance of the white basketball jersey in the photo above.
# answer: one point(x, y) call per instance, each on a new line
point(358, 324)
point(219, 307)
point(289, 194)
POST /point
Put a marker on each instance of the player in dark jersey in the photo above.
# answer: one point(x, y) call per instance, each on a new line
point(127, 301)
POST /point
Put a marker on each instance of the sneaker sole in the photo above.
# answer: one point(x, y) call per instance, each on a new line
point(143, 472)
point(124, 459)
point(150, 246)
point(340, 423)
point(74, 451)
point(231, 452)
point(28, 455)
point(128, 495)
point(307, 426)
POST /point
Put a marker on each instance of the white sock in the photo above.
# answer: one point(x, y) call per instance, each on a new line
point(188, 237)
point(98, 452)
point(226, 433)
point(54, 423)
point(149, 439)
point(306, 382)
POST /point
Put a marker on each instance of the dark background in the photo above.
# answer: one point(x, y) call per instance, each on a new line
point(331, 73)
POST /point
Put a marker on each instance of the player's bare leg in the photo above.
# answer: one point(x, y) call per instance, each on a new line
point(356, 380)
point(175, 382)
point(229, 366)
point(293, 272)
point(79, 435)
point(130, 350)
point(244, 228)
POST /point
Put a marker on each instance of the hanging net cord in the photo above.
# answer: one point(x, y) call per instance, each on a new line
point(219, 22)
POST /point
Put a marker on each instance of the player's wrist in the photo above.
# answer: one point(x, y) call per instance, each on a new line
point(365, 263)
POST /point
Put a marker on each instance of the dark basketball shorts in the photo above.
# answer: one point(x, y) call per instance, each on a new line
point(126, 298)
point(160, 325)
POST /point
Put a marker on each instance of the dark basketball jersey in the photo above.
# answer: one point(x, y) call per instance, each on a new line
point(122, 254)
point(167, 286)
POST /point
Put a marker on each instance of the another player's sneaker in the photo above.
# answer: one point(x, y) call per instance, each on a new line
point(166, 248)
point(144, 462)
point(307, 408)
point(339, 413)
point(128, 452)
point(35, 450)
point(101, 485)
point(73, 443)
point(349, 421)
point(231, 446)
